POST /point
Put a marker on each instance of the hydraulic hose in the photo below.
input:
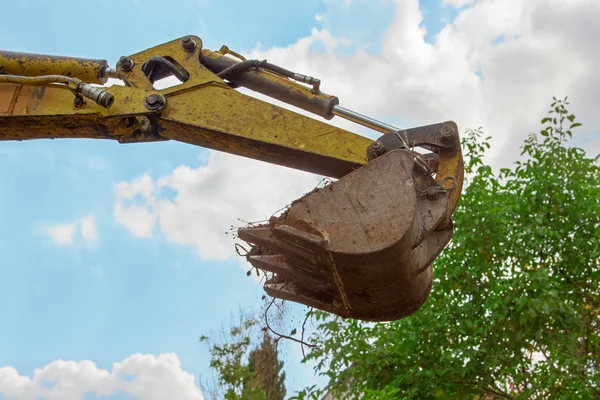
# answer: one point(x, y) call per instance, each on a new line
point(36, 80)
point(97, 95)
point(159, 67)
point(245, 65)
point(240, 67)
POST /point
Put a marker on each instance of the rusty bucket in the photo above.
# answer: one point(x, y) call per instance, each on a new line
point(360, 247)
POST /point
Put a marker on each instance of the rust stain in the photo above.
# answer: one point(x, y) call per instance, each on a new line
point(8, 97)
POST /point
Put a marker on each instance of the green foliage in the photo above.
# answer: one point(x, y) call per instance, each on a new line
point(514, 310)
point(242, 374)
point(266, 367)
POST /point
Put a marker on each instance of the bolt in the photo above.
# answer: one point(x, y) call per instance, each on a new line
point(125, 63)
point(448, 135)
point(432, 193)
point(376, 145)
point(154, 102)
point(375, 150)
point(188, 44)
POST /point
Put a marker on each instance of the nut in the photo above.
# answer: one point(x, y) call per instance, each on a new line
point(376, 145)
point(375, 150)
point(154, 102)
point(188, 44)
point(125, 63)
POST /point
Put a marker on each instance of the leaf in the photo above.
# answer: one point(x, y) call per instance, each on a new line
point(575, 125)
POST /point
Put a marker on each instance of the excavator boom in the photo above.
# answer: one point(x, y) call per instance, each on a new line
point(360, 247)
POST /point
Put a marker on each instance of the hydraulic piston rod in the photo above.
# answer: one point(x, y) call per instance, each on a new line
point(363, 120)
point(280, 88)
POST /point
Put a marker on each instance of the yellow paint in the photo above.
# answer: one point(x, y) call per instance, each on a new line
point(39, 64)
point(451, 165)
point(225, 113)
point(203, 111)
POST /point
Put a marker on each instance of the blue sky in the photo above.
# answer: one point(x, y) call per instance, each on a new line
point(126, 26)
point(121, 294)
point(117, 295)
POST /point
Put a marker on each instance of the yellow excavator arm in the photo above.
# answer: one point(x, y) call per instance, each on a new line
point(360, 247)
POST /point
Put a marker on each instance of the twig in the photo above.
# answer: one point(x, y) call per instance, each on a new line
point(237, 250)
point(279, 334)
point(303, 327)
point(281, 209)
point(278, 338)
point(497, 394)
point(493, 392)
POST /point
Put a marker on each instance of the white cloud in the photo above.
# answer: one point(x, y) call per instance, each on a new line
point(66, 233)
point(144, 376)
point(88, 228)
point(457, 3)
point(466, 75)
point(208, 200)
point(548, 50)
point(138, 218)
point(62, 234)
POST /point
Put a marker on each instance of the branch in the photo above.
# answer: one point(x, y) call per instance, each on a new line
point(279, 334)
point(596, 359)
point(302, 337)
point(497, 394)
point(490, 391)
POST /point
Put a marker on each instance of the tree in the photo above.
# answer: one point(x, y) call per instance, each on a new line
point(514, 310)
point(241, 373)
point(263, 362)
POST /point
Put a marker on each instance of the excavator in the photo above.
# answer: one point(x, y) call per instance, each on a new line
point(360, 247)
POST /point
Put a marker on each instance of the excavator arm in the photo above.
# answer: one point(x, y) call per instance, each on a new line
point(360, 247)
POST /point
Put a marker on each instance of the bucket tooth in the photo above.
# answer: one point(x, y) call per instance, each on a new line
point(293, 292)
point(278, 264)
point(261, 236)
point(299, 237)
point(264, 239)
